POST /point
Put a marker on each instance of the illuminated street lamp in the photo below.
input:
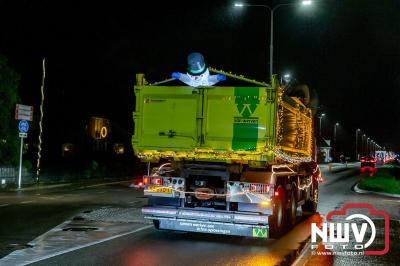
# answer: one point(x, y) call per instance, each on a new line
point(334, 140)
point(272, 11)
point(286, 78)
point(320, 123)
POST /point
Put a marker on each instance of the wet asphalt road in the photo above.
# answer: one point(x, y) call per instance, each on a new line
point(152, 247)
point(334, 192)
point(28, 214)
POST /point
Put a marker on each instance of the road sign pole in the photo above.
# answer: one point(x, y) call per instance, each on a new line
point(20, 164)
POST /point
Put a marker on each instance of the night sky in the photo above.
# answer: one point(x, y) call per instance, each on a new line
point(347, 51)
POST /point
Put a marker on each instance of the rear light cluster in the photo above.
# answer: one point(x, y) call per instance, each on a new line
point(175, 182)
point(368, 161)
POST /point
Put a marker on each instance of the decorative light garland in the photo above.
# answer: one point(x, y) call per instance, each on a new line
point(291, 159)
point(41, 121)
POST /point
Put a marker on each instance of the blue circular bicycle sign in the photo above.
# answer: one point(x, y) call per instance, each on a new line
point(23, 126)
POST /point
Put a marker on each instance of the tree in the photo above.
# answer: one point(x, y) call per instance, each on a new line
point(9, 80)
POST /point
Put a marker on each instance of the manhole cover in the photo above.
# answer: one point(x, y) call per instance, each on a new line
point(80, 229)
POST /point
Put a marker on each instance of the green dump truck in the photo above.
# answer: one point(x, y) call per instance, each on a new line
point(229, 160)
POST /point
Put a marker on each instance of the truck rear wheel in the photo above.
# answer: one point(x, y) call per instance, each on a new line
point(292, 211)
point(312, 203)
point(277, 223)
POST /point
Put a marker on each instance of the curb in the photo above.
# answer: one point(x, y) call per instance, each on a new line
point(363, 191)
point(304, 255)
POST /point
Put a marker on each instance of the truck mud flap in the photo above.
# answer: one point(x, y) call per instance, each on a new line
point(214, 227)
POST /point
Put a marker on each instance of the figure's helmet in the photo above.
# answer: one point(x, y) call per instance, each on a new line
point(196, 64)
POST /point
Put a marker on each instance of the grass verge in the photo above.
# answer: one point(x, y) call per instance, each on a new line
point(386, 180)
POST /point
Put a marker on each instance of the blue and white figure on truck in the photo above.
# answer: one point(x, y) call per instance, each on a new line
point(198, 73)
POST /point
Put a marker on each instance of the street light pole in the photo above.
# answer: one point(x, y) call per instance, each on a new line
point(358, 130)
point(362, 144)
point(271, 30)
point(271, 43)
point(320, 124)
point(334, 141)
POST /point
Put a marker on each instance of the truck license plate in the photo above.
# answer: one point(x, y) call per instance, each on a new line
point(158, 189)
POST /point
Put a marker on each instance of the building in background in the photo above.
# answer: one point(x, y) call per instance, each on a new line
point(324, 150)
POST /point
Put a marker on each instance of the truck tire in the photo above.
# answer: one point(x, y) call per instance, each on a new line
point(292, 210)
point(156, 224)
point(311, 204)
point(277, 222)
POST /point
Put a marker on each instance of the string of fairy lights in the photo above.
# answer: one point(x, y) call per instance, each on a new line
point(39, 153)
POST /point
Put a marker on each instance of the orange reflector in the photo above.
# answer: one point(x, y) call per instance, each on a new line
point(146, 180)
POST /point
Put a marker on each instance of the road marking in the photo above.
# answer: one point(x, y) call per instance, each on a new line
point(304, 255)
point(28, 201)
point(84, 246)
point(51, 198)
point(4, 205)
point(395, 200)
point(104, 184)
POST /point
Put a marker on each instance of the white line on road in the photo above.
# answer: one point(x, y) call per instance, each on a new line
point(304, 255)
point(28, 201)
point(51, 198)
point(85, 245)
point(395, 200)
point(104, 184)
point(4, 205)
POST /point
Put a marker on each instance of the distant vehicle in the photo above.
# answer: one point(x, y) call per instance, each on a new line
point(368, 161)
point(137, 182)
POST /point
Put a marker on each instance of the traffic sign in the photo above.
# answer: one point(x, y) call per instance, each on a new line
point(23, 112)
point(23, 135)
point(23, 126)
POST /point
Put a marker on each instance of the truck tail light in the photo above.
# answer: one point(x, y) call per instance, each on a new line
point(146, 180)
point(156, 181)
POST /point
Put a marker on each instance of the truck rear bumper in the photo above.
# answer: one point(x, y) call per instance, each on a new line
point(213, 222)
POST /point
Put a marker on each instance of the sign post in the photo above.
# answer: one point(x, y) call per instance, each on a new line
point(24, 113)
point(23, 127)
